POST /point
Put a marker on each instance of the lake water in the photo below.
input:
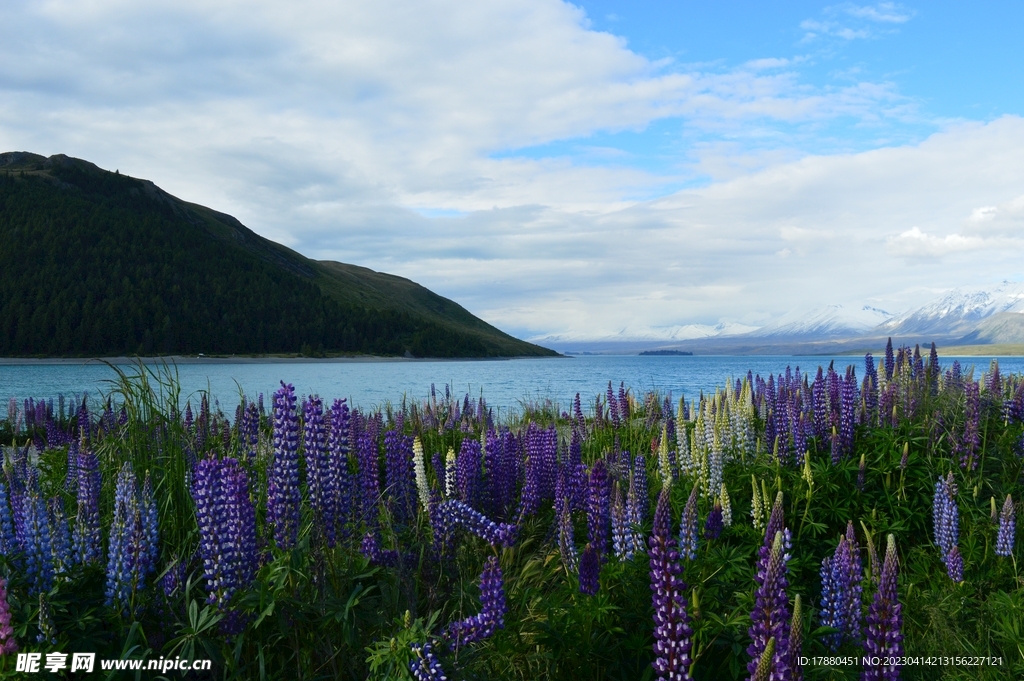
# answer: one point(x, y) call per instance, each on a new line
point(505, 384)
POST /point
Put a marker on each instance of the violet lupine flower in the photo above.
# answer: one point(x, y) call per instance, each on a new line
point(227, 528)
point(8, 541)
point(400, 475)
point(319, 478)
point(613, 407)
point(884, 622)
point(71, 482)
point(688, 527)
point(840, 594)
point(713, 525)
point(122, 554)
point(771, 608)
point(338, 508)
point(590, 570)
point(945, 515)
point(623, 402)
point(453, 513)
point(468, 472)
point(8, 644)
point(60, 538)
point(370, 548)
point(636, 499)
point(492, 612)
point(1007, 529)
point(890, 362)
point(425, 666)
point(971, 438)
point(35, 544)
point(622, 544)
point(598, 502)
point(283, 483)
point(369, 474)
point(672, 631)
point(86, 535)
point(148, 529)
point(566, 540)
point(870, 389)
point(955, 565)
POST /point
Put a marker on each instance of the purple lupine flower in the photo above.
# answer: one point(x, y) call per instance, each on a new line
point(71, 482)
point(884, 622)
point(227, 528)
point(8, 644)
point(453, 513)
point(955, 565)
point(820, 409)
point(468, 473)
point(60, 538)
point(8, 541)
point(623, 402)
point(121, 553)
point(870, 389)
point(86, 535)
point(945, 515)
point(283, 483)
point(320, 480)
point(672, 631)
point(713, 525)
point(148, 529)
point(841, 591)
point(425, 666)
point(771, 610)
point(771, 616)
point(35, 544)
point(688, 527)
point(399, 475)
point(622, 543)
point(890, 363)
point(566, 540)
point(492, 611)
point(338, 508)
point(369, 474)
point(1007, 529)
point(598, 509)
point(590, 570)
point(370, 548)
point(971, 439)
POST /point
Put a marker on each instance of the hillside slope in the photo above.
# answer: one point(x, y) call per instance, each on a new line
point(98, 263)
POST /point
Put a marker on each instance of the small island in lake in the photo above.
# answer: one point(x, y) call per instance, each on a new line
point(659, 353)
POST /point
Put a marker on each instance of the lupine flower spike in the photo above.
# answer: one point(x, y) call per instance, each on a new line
point(1007, 529)
point(425, 666)
point(885, 639)
point(672, 631)
point(590, 568)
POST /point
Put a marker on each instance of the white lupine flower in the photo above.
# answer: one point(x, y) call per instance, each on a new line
point(449, 474)
point(419, 468)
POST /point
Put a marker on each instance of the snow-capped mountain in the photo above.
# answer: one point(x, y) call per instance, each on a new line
point(633, 334)
point(958, 312)
point(829, 321)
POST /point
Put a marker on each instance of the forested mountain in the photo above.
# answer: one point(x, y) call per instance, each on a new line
point(98, 263)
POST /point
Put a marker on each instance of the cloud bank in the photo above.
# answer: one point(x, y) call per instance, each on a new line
point(392, 134)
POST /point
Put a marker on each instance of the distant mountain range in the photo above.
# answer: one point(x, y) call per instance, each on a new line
point(964, 316)
point(95, 263)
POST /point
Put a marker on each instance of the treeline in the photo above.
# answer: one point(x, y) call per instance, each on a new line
point(92, 264)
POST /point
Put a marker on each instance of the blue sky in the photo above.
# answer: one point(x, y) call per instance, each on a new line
point(562, 170)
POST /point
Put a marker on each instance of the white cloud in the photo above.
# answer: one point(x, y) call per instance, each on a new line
point(883, 12)
point(336, 127)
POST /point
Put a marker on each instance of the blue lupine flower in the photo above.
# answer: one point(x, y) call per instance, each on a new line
point(492, 611)
point(86, 535)
point(1007, 529)
point(425, 666)
point(688, 527)
point(283, 484)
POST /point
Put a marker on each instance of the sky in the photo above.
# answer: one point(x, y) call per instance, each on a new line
point(562, 170)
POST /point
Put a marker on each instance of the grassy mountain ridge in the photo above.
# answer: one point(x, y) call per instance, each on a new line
point(99, 263)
